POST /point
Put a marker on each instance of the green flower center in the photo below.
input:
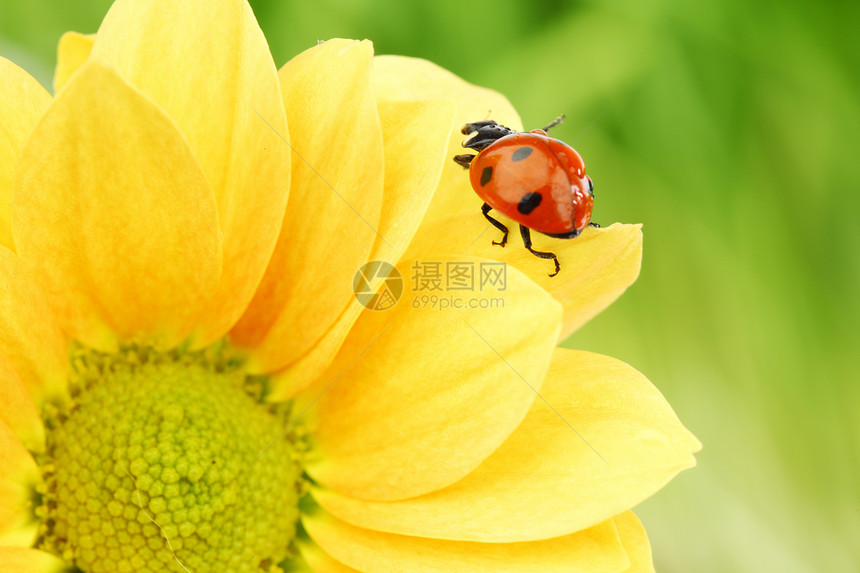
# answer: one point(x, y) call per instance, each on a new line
point(166, 463)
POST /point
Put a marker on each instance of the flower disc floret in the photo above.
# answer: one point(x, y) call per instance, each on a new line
point(166, 463)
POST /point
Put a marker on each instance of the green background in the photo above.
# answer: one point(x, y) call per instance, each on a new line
point(731, 130)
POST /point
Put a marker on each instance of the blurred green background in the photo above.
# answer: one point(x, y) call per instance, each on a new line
point(732, 131)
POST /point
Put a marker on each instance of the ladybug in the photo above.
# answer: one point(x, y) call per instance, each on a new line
point(535, 180)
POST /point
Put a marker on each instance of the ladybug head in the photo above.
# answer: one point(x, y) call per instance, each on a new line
point(485, 132)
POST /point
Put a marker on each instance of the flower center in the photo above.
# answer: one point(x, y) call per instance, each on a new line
point(163, 462)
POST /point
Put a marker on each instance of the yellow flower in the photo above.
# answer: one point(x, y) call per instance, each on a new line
point(187, 381)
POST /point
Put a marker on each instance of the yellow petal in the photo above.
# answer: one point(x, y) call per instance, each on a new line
point(72, 51)
point(635, 541)
point(335, 201)
point(26, 560)
point(319, 561)
point(594, 550)
point(596, 267)
point(115, 215)
point(426, 419)
point(22, 102)
point(602, 264)
point(19, 475)
point(415, 135)
point(17, 408)
point(29, 335)
point(209, 67)
point(399, 77)
point(600, 441)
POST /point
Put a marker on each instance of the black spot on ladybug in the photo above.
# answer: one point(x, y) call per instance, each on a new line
point(486, 175)
point(522, 153)
point(529, 202)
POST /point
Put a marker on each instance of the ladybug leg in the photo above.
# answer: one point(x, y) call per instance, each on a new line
point(464, 160)
point(527, 241)
point(593, 224)
point(486, 211)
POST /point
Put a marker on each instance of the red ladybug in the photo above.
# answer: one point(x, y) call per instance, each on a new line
point(534, 179)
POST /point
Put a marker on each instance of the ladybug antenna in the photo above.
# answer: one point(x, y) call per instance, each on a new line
point(555, 122)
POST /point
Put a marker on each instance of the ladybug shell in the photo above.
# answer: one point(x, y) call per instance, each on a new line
point(536, 180)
